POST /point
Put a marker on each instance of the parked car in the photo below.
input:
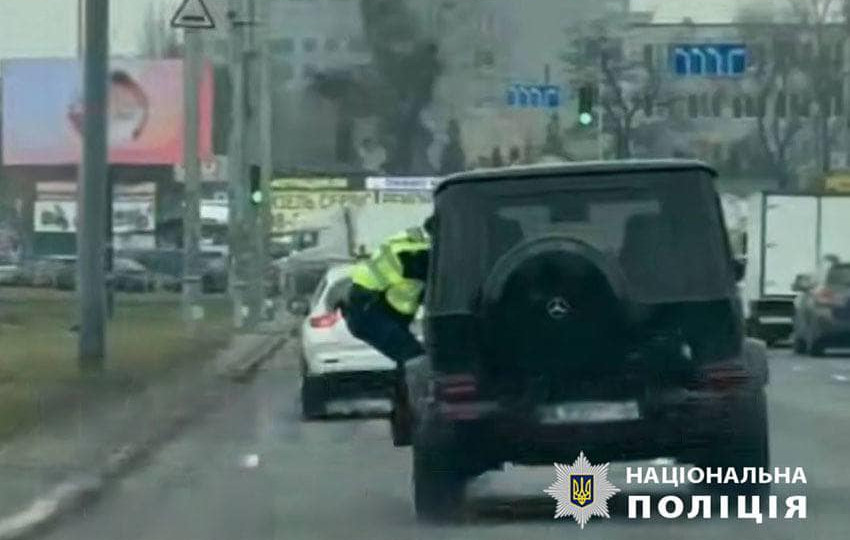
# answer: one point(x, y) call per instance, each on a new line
point(582, 308)
point(10, 273)
point(167, 267)
point(334, 363)
point(129, 275)
point(822, 311)
point(216, 273)
point(52, 271)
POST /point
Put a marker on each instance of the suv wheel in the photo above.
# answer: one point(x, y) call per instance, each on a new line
point(438, 488)
point(816, 348)
point(815, 345)
point(401, 416)
point(800, 346)
point(312, 398)
point(748, 445)
point(401, 425)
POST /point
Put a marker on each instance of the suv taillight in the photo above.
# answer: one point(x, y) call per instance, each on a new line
point(325, 321)
point(721, 376)
point(456, 387)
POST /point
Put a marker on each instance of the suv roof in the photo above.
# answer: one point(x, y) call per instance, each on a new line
point(574, 169)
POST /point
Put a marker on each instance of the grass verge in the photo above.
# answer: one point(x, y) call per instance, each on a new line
point(145, 338)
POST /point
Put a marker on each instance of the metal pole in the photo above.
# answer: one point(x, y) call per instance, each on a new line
point(236, 166)
point(266, 159)
point(845, 68)
point(600, 135)
point(92, 190)
point(80, 28)
point(192, 310)
point(110, 243)
point(254, 264)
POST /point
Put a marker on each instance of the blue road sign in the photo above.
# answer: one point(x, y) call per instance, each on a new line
point(534, 96)
point(709, 59)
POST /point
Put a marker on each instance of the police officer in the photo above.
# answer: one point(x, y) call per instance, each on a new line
point(386, 292)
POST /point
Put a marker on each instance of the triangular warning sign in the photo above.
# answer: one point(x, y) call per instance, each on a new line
point(192, 14)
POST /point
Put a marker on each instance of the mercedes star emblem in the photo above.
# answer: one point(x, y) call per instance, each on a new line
point(558, 308)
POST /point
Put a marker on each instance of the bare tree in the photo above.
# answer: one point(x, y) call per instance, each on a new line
point(626, 85)
point(778, 124)
point(453, 158)
point(407, 67)
point(822, 71)
point(797, 71)
point(397, 86)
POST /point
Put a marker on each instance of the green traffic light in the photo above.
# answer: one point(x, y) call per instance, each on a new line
point(257, 197)
point(585, 119)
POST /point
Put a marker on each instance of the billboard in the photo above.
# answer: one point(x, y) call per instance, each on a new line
point(43, 112)
point(402, 183)
point(295, 202)
point(133, 208)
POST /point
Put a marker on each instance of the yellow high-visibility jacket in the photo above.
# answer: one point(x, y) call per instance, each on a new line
point(384, 272)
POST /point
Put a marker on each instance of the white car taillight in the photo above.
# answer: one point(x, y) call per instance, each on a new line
point(328, 320)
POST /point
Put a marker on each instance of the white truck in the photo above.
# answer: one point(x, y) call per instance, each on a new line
point(788, 234)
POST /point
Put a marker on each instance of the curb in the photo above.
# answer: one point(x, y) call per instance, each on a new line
point(78, 492)
point(243, 369)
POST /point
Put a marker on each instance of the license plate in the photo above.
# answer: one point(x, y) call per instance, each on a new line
point(589, 412)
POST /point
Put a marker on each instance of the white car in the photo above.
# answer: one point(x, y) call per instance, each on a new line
point(335, 364)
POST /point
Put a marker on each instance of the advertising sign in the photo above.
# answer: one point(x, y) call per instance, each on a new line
point(402, 183)
point(838, 182)
point(133, 209)
point(405, 197)
point(212, 170)
point(310, 183)
point(43, 112)
point(291, 208)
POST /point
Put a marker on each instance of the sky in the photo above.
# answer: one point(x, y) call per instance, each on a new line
point(49, 27)
point(698, 10)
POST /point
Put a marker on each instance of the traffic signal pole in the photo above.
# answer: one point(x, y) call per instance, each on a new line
point(236, 165)
point(266, 157)
point(254, 266)
point(600, 133)
point(92, 189)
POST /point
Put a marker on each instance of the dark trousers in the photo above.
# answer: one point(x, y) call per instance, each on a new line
point(371, 319)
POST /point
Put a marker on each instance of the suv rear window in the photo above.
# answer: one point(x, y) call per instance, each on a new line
point(597, 218)
point(661, 231)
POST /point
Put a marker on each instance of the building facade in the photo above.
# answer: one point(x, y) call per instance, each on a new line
point(716, 117)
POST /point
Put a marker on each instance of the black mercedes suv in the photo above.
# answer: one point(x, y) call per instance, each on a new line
point(581, 307)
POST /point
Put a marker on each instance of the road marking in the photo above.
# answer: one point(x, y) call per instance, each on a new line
point(840, 378)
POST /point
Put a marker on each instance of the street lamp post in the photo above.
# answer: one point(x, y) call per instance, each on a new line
point(92, 190)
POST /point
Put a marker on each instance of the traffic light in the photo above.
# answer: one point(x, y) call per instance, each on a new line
point(256, 193)
point(586, 116)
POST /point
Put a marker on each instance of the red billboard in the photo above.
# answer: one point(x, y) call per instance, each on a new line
point(43, 112)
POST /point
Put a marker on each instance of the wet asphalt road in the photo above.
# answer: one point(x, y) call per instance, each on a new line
point(253, 470)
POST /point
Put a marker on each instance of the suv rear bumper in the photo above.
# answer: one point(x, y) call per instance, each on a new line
point(832, 330)
point(679, 424)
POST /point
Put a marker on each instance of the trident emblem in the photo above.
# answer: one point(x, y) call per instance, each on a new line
point(581, 492)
